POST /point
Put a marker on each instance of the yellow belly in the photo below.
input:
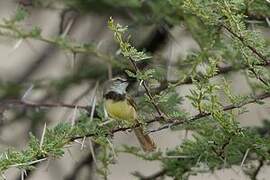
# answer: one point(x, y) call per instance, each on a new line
point(120, 110)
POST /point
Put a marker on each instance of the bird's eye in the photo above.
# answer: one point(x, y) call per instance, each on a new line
point(121, 79)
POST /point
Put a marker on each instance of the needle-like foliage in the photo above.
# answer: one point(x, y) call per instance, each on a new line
point(229, 38)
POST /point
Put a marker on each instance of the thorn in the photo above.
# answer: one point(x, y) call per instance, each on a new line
point(93, 109)
point(28, 163)
point(23, 172)
point(92, 151)
point(141, 82)
point(27, 92)
point(74, 56)
point(17, 45)
point(106, 122)
point(245, 157)
point(73, 118)
point(267, 20)
point(22, 175)
point(118, 52)
point(83, 141)
point(66, 30)
point(106, 116)
point(112, 147)
point(42, 137)
point(99, 44)
point(93, 101)
point(77, 141)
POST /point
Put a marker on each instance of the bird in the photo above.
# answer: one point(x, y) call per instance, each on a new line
point(120, 106)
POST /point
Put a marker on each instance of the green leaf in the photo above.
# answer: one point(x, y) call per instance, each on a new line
point(20, 15)
point(126, 48)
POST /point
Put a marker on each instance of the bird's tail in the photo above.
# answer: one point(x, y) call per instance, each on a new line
point(145, 140)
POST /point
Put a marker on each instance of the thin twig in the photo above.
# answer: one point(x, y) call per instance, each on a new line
point(41, 105)
point(245, 157)
point(175, 122)
point(17, 32)
point(29, 163)
point(188, 80)
point(91, 147)
point(42, 136)
point(160, 113)
point(154, 176)
point(254, 175)
point(241, 39)
point(171, 122)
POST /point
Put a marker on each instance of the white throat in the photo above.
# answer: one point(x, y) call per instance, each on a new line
point(117, 87)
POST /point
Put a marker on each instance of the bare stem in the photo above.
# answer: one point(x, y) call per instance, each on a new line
point(16, 102)
point(154, 176)
point(173, 122)
point(160, 113)
point(253, 49)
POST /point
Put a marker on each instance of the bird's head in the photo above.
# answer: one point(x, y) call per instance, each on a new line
point(118, 85)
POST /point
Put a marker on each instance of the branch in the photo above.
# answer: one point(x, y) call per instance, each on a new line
point(172, 122)
point(254, 175)
point(223, 70)
point(175, 122)
point(42, 105)
point(220, 152)
point(160, 113)
point(188, 80)
point(154, 176)
point(16, 32)
point(254, 50)
point(257, 76)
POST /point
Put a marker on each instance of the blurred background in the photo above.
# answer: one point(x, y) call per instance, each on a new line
point(41, 72)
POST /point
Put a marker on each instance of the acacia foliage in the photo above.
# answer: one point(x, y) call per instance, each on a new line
point(228, 41)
